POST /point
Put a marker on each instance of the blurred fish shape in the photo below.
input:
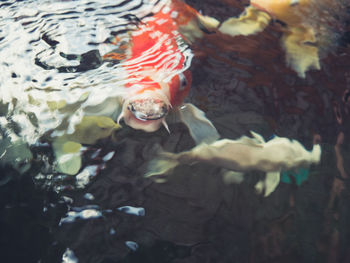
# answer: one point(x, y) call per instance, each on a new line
point(243, 155)
point(302, 22)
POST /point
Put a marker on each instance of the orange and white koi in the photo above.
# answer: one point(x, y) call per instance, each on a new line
point(157, 61)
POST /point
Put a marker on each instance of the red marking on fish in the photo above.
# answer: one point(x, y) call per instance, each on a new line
point(155, 62)
point(154, 47)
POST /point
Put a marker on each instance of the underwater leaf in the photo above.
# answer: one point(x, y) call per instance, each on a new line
point(88, 131)
point(93, 128)
point(71, 147)
point(16, 154)
point(68, 163)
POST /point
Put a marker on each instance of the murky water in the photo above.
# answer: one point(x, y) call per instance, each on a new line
point(53, 74)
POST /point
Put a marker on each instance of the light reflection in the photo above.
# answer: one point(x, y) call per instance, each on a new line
point(69, 257)
point(72, 216)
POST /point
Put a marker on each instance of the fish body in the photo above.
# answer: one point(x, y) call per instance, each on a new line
point(156, 67)
point(156, 62)
point(243, 155)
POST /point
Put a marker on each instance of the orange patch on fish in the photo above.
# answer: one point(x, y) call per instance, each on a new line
point(155, 64)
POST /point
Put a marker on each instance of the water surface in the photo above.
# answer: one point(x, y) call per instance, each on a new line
point(109, 212)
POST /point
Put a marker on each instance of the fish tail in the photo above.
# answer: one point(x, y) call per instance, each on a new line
point(316, 154)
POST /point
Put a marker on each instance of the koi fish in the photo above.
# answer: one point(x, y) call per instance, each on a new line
point(158, 80)
point(242, 155)
point(157, 69)
point(300, 38)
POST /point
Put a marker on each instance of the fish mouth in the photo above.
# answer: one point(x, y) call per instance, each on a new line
point(148, 109)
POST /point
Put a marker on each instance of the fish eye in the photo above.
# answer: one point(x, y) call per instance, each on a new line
point(183, 81)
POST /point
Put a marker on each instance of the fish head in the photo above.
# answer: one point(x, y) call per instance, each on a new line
point(146, 111)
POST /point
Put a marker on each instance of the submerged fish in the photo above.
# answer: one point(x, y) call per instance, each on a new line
point(158, 80)
point(300, 36)
point(242, 155)
point(157, 70)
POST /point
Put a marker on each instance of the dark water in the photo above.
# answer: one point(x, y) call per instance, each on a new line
point(109, 212)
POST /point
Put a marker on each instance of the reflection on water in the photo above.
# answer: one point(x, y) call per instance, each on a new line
point(55, 78)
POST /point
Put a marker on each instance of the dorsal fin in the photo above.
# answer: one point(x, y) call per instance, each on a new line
point(258, 137)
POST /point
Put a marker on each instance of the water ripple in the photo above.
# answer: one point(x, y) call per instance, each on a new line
point(38, 44)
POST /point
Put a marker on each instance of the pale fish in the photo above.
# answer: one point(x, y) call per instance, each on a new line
point(243, 155)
